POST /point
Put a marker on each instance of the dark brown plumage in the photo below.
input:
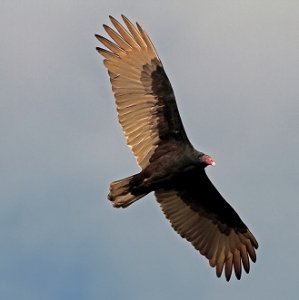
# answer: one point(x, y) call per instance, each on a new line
point(171, 167)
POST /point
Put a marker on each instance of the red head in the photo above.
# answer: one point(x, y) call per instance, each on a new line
point(207, 160)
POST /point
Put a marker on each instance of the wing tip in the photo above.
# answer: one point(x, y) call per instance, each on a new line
point(99, 37)
point(124, 17)
point(105, 26)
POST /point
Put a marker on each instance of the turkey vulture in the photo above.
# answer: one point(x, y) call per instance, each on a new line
point(170, 166)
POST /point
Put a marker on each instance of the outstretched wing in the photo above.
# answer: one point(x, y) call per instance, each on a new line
point(199, 214)
point(144, 97)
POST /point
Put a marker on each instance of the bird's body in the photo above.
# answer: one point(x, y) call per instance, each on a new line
point(170, 166)
point(162, 173)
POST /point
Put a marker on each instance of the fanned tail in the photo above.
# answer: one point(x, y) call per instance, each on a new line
point(121, 192)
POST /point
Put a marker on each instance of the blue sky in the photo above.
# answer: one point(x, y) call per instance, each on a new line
point(234, 66)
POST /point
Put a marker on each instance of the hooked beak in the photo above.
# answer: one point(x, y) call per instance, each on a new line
point(208, 160)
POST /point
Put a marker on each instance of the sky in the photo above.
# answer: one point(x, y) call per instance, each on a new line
point(234, 66)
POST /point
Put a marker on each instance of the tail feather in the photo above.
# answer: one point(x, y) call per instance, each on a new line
point(121, 193)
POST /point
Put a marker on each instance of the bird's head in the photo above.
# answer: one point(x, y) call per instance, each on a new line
point(207, 160)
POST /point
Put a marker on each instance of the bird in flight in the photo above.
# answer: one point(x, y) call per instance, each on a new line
point(170, 166)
